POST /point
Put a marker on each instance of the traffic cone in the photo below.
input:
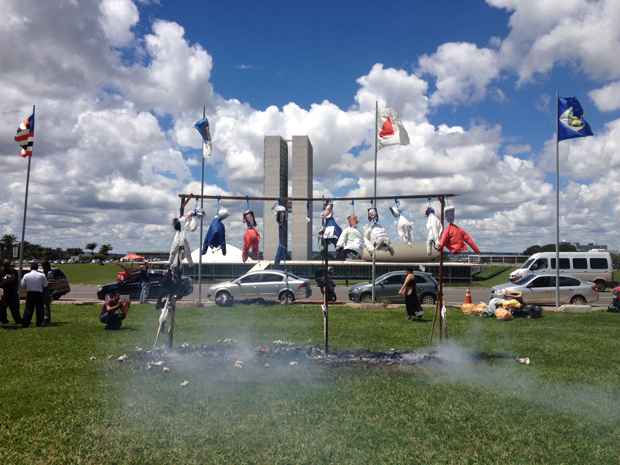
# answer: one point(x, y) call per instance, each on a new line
point(468, 296)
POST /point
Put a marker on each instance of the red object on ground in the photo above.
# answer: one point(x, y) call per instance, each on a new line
point(455, 240)
point(132, 257)
point(468, 296)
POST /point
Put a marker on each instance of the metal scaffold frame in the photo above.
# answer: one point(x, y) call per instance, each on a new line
point(439, 321)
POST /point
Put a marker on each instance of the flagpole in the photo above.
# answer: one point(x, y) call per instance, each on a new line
point(557, 200)
point(374, 202)
point(21, 244)
point(202, 192)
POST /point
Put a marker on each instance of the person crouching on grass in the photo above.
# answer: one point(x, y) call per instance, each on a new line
point(408, 290)
point(113, 311)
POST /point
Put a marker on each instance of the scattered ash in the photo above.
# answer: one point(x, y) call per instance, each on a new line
point(279, 353)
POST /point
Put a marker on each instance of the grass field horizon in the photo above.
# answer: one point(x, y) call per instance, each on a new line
point(66, 399)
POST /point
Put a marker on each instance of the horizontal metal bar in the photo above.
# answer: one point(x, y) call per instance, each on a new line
point(312, 199)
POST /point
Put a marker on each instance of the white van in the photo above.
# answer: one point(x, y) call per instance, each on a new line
point(590, 266)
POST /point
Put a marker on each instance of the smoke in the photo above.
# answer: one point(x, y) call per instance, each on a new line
point(499, 374)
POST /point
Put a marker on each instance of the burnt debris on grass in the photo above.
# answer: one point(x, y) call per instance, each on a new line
point(227, 352)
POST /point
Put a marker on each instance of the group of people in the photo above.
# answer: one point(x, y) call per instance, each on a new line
point(38, 294)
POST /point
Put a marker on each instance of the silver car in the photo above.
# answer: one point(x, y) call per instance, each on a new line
point(269, 285)
point(540, 289)
point(388, 285)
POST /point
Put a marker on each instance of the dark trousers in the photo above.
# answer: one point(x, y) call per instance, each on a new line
point(412, 304)
point(47, 306)
point(111, 321)
point(280, 254)
point(12, 302)
point(34, 302)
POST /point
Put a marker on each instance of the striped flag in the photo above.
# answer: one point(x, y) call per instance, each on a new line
point(25, 136)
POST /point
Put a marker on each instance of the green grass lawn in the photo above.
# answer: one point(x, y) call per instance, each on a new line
point(89, 273)
point(60, 407)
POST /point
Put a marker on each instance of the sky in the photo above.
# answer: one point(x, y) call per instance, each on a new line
point(119, 83)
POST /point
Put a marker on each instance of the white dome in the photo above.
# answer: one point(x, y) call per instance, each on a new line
point(233, 255)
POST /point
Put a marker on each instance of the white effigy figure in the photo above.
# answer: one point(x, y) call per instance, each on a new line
point(404, 227)
point(433, 230)
point(375, 235)
point(350, 243)
point(179, 249)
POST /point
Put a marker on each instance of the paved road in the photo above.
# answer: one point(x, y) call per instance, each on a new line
point(454, 295)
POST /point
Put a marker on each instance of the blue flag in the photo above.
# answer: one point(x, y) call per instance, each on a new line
point(202, 126)
point(571, 124)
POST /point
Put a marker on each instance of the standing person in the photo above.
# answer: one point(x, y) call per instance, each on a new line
point(144, 282)
point(47, 294)
point(10, 295)
point(408, 290)
point(35, 283)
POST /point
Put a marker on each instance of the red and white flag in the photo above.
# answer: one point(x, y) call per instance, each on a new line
point(25, 136)
point(390, 130)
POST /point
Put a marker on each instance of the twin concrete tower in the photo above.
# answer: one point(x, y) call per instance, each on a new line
point(276, 185)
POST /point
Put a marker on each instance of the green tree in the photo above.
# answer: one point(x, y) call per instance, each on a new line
point(564, 247)
point(6, 245)
point(91, 246)
point(72, 252)
point(105, 249)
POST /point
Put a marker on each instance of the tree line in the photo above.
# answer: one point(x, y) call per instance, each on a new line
point(36, 251)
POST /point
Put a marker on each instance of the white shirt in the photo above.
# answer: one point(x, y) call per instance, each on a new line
point(405, 230)
point(433, 228)
point(350, 239)
point(375, 235)
point(34, 281)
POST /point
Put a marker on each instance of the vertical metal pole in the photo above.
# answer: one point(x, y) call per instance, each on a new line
point(557, 201)
point(442, 200)
point(374, 203)
point(438, 317)
point(173, 311)
point(325, 299)
point(21, 244)
point(202, 192)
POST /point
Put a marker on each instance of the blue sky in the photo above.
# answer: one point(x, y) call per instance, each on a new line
point(143, 68)
point(282, 51)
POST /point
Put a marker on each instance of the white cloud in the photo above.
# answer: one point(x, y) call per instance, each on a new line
point(175, 79)
point(462, 72)
point(117, 19)
point(544, 33)
point(607, 98)
point(403, 92)
point(106, 168)
point(582, 34)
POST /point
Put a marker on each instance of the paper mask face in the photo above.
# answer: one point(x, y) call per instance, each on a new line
point(449, 212)
point(373, 215)
point(280, 212)
point(353, 221)
point(249, 219)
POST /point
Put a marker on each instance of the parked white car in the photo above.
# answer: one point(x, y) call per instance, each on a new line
point(540, 289)
point(268, 285)
point(591, 266)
